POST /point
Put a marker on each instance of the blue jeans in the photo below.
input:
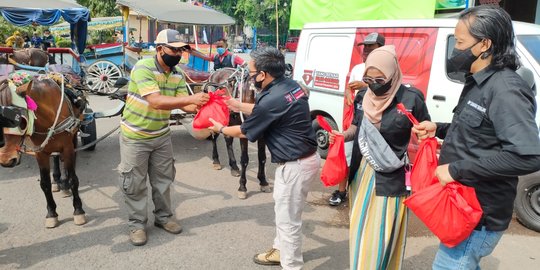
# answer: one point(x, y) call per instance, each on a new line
point(467, 255)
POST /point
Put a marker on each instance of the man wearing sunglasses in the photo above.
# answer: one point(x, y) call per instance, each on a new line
point(371, 42)
point(223, 58)
point(157, 86)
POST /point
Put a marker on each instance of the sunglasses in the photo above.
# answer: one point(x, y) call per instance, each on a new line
point(176, 50)
point(378, 80)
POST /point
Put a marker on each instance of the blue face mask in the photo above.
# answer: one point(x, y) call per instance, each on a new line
point(220, 51)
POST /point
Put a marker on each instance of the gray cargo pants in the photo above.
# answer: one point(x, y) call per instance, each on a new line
point(139, 160)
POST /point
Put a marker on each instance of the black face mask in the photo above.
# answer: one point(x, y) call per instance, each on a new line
point(171, 60)
point(380, 89)
point(461, 60)
point(258, 85)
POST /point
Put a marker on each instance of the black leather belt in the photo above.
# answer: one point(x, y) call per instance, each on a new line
point(305, 156)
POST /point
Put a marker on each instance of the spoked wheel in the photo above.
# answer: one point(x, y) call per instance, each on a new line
point(101, 76)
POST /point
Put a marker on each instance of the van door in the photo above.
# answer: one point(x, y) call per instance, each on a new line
point(444, 89)
point(528, 47)
point(322, 64)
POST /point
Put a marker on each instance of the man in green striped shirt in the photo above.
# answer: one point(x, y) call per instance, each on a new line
point(157, 86)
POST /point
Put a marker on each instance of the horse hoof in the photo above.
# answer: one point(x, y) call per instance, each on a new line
point(51, 222)
point(235, 173)
point(54, 188)
point(217, 167)
point(266, 189)
point(79, 219)
point(65, 193)
point(242, 195)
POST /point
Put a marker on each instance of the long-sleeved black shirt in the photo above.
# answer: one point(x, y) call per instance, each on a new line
point(493, 139)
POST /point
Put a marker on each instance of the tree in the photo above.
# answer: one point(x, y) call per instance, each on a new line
point(256, 13)
point(100, 8)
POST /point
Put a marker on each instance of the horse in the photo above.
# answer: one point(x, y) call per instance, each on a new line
point(238, 86)
point(29, 56)
point(54, 130)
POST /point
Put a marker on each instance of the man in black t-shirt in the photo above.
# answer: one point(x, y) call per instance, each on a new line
point(281, 115)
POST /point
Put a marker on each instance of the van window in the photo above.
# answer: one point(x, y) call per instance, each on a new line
point(532, 44)
point(453, 75)
point(325, 58)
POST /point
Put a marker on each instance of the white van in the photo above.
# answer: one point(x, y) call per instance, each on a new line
point(327, 52)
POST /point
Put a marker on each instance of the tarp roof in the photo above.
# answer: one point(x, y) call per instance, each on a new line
point(40, 4)
point(174, 11)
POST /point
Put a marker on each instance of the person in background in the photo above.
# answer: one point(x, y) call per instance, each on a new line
point(280, 115)
point(378, 217)
point(223, 57)
point(36, 40)
point(26, 41)
point(157, 86)
point(48, 40)
point(15, 41)
point(493, 136)
point(370, 43)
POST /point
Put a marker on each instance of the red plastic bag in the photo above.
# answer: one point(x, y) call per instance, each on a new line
point(425, 164)
point(348, 116)
point(215, 108)
point(335, 168)
point(450, 212)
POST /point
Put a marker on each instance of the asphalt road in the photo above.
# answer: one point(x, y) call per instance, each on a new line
point(220, 231)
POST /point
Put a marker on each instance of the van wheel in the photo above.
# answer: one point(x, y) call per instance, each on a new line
point(322, 136)
point(527, 203)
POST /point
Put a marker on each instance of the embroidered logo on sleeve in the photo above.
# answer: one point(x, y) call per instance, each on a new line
point(294, 95)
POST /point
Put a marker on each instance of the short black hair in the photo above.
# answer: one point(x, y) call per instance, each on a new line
point(495, 24)
point(271, 60)
point(222, 40)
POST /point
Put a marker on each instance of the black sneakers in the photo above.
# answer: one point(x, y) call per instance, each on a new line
point(337, 198)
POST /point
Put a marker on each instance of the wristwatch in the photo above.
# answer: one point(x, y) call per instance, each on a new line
point(221, 129)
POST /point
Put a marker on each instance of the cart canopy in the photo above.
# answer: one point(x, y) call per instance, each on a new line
point(48, 12)
point(173, 11)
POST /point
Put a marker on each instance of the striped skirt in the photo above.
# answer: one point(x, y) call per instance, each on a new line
point(378, 225)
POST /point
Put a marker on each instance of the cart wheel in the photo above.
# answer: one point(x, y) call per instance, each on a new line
point(90, 130)
point(101, 76)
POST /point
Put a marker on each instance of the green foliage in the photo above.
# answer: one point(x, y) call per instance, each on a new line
point(7, 29)
point(63, 43)
point(100, 8)
point(257, 13)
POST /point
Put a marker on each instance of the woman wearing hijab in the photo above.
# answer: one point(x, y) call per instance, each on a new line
point(378, 218)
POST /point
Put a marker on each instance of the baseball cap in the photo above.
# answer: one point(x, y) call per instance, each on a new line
point(171, 38)
point(372, 38)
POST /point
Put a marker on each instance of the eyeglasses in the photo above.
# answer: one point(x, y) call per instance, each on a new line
point(176, 50)
point(369, 80)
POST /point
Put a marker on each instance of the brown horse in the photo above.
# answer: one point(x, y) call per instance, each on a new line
point(29, 56)
point(55, 114)
point(238, 86)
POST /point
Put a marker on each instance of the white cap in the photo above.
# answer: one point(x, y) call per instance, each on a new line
point(171, 38)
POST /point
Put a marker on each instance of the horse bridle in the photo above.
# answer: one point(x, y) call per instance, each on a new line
point(70, 123)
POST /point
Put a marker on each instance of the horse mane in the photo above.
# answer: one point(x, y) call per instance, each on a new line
point(5, 93)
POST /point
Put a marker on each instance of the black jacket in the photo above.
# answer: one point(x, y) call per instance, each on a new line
point(396, 130)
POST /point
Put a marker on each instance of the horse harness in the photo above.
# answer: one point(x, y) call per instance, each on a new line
point(70, 124)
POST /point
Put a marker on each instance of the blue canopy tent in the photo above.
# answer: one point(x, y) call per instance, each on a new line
point(48, 12)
